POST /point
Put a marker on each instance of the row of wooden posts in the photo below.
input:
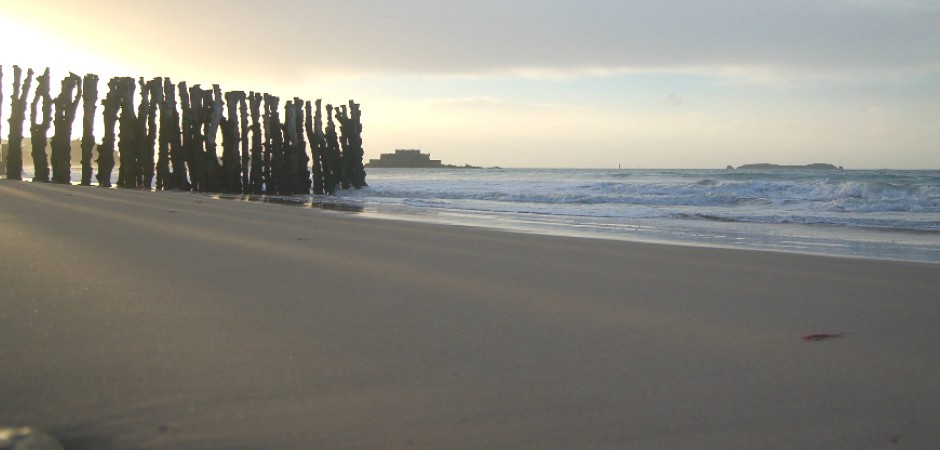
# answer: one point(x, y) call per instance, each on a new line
point(274, 161)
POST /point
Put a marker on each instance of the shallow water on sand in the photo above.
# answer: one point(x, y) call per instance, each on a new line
point(870, 214)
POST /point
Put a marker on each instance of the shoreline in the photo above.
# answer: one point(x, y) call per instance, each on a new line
point(650, 223)
point(462, 219)
point(895, 236)
point(445, 217)
point(152, 320)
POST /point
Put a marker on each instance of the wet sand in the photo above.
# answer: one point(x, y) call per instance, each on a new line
point(135, 319)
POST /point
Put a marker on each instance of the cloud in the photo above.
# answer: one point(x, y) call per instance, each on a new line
point(484, 103)
point(521, 38)
point(530, 36)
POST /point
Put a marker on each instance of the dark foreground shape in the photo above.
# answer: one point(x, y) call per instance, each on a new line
point(14, 160)
point(39, 129)
point(89, 104)
point(111, 104)
point(274, 161)
point(821, 337)
point(65, 108)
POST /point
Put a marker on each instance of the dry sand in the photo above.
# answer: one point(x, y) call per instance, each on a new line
point(165, 320)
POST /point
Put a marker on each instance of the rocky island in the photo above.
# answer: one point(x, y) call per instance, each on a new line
point(766, 166)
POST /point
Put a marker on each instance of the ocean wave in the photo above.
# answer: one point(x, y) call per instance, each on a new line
point(849, 196)
point(875, 199)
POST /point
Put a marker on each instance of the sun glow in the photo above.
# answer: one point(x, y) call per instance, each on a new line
point(32, 47)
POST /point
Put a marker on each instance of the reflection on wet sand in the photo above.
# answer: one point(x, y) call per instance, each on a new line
point(316, 201)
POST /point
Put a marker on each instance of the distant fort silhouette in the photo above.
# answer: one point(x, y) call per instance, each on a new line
point(405, 158)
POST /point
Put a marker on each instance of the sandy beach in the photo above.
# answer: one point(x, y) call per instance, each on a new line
point(135, 319)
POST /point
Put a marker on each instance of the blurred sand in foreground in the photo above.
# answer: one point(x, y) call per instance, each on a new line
point(168, 320)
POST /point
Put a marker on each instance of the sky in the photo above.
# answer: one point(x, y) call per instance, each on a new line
point(525, 83)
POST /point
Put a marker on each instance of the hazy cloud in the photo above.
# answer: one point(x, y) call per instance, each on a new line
point(493, 103)
point(525, 36)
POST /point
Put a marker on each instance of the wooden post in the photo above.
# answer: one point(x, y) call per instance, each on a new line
point(256, 177)
point(127, 174)
point(39, 130)
point(278, 163)
point(357, 176)
point(17, 115)
point(316, 147)
point(291, 156)
point(322, 150)
point(141, 135)
point(158, 101)
point(170, 129)
point(344, 127)
point(187, 137)
point(266, 171)
point(246, 156)
point(331, 169)
point(146, 134)
point(89, 103)
point(65, 107)
point(231, 161)
point(303, 168)
point(213, 105)
point(111, 104)
point(195, 150)
point(155, 90)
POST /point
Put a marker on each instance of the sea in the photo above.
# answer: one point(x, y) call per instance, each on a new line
point(882, 214)
point(879, 214)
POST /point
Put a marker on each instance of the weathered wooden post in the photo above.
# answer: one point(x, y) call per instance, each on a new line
point(170, 130)
point(197, 152)
point(155, 89)
point(127, 174)
point(146, 135)
point(303, 168)
point(231, 161)
point(14, 159)
point(191, 101)
point(187, 136)
point(322, 150)
point(65, 108)
point(345, 132)
point(353, 172)
point(158, 101)
point(316, 147)
point(111, 104)
point(357, 176)
point(246, 156)
point(140, 134)
point(344, 127)
point(266, 170)
point(213, 105)
point(291, 157)
point(257, 153)
point(278, 163)
point(89, 104)
point(39, 130)
point(331, 169)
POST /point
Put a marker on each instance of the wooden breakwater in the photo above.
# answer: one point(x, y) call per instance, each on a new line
point(170, 141)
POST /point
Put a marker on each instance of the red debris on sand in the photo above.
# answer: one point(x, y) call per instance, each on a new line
point(819, 337)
